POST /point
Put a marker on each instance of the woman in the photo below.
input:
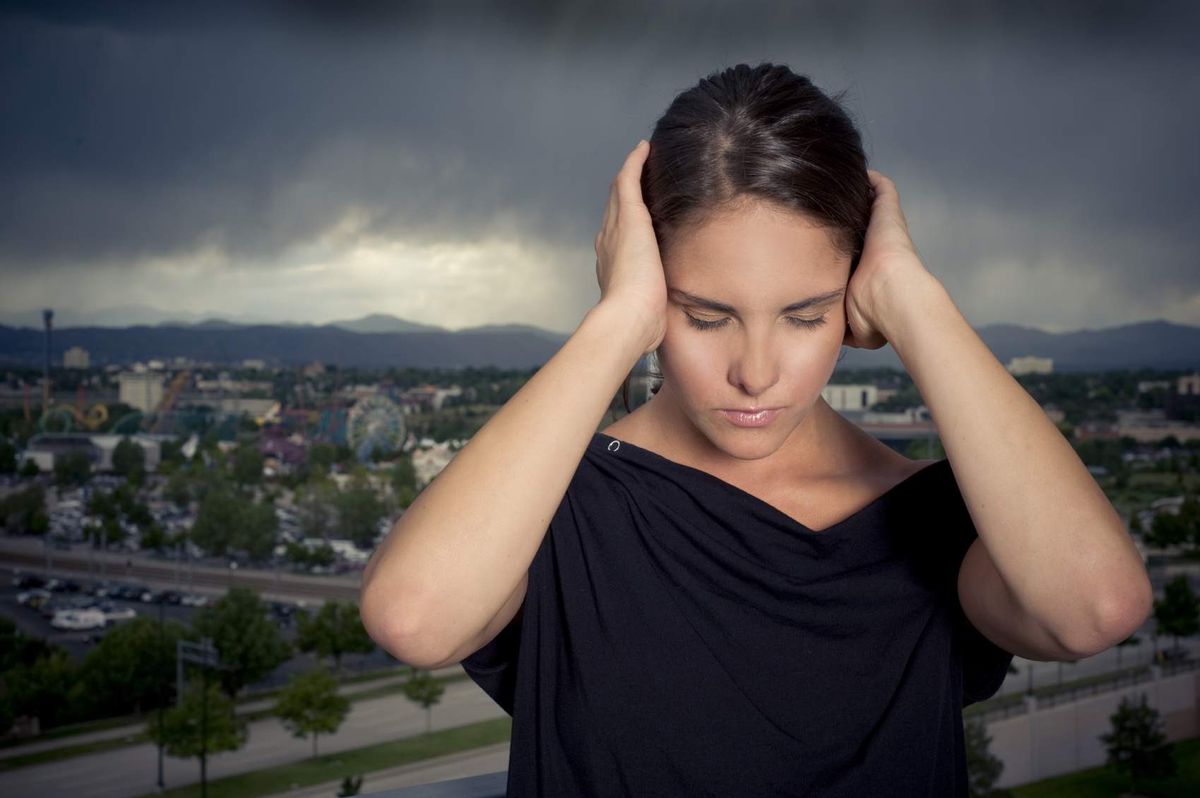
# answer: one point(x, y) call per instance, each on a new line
point(732, 590)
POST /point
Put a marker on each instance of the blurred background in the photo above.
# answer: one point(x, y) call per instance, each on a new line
point(265, 266)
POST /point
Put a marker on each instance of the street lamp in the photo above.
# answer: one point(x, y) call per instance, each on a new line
point(205, 655)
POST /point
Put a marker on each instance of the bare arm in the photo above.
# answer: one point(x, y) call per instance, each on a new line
point(455, 558)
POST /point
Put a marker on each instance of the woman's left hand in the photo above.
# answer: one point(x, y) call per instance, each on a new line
point(889, 263)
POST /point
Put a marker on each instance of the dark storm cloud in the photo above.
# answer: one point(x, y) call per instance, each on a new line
point(138, 129)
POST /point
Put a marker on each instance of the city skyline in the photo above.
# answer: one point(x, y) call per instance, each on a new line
point(449, 166)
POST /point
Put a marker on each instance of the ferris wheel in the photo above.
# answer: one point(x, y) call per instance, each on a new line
point(375, 422)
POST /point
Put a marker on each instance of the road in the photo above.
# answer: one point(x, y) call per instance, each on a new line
point(132, 771)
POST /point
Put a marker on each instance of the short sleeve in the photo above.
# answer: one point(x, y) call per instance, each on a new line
point(494, 666)
point(984, 664)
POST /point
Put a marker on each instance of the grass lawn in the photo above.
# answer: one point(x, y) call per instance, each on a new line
point(1106, 782)
point(335, 767)
point(67, 751)
point(1101, 782)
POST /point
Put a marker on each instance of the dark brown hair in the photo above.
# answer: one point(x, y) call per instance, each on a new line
point(757, 133)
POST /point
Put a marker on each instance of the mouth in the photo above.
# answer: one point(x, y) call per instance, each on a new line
point(751, 418)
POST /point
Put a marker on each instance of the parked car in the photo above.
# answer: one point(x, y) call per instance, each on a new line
point(77, 620)
point(33, 598)
point(27, 581)
point(170, 597)
point(113, 613)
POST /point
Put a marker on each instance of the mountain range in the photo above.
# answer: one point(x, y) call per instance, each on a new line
point(380, 341)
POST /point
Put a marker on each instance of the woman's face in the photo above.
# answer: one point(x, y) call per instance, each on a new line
point(776, 341)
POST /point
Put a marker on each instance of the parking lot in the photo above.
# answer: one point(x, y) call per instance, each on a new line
point(33, 602)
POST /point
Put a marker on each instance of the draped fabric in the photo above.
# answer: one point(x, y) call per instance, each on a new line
point(682, 637)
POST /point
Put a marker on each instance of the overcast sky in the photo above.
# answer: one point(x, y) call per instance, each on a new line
point(448, 164)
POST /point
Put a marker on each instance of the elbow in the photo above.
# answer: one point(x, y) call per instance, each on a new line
point(394, 624)
point(1118, 615)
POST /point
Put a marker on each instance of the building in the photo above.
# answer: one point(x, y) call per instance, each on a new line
point(1030, 364)
point(1189, 385)
point(44, 447)
point(76, 358)
point(143, 390)
point(850, 398)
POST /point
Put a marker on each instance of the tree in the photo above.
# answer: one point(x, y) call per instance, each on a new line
point(8, 458)
point(421, 687)
point(46, 688)
point(404, 482)
point(24, 512)
point(310, 704)
point(1177, 612)
point(29, 469)
point(202, 723)
point(359, 513)
point(315, 508)
point(983, 768)
point(178, 489)
point(37, 678)
point(1136, 744)
point(227, 521)
point(249, 644)
point(322, 456)
point(1167, 529)
point(128, 457)
point(72, 468)
point(133, 668)
point(334, 630)
point(247, 465)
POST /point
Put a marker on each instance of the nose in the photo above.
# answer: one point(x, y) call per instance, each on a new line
point(756, 366)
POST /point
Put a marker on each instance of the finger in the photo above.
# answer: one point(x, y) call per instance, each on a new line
point(629, 179)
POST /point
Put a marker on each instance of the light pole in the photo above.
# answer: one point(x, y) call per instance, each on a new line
point(204, 655)
point(161, 700)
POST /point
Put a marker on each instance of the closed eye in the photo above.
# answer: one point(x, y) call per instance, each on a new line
point(700, 324)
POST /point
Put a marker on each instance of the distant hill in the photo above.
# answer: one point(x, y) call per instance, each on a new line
point(1150, 344)
point(380, 341)
point(383, 323)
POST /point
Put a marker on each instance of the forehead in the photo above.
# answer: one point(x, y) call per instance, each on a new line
point(755, 250)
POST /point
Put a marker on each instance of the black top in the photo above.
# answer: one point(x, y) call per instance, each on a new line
point(682, 637)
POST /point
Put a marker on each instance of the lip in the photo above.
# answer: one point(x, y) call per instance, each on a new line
point(743, 418)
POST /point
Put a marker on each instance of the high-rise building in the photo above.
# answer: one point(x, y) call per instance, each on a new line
point(76, 358)
point(143, 390)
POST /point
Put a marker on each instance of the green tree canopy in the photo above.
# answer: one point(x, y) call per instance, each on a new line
point(1136, 745)
point(249, 644)
point(128, 457)
point(8, 457)
point(1177, 612)
point(359, 513)
point(23, 512)
point(310, 704)
point(423, 688)
point(72, 468)
point(133, 667)
point(247, 465)
point(334, 630)
point(201, 724)
point(227, 522)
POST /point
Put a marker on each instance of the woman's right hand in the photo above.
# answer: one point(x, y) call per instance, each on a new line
point(628, 264)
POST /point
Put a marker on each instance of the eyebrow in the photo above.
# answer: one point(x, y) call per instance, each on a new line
point(721, 307)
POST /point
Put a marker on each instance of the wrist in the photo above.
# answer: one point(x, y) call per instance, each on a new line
point(915, 302)
point(627, 322)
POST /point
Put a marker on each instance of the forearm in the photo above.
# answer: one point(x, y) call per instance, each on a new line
point(461, 549)
point(1059, 544)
